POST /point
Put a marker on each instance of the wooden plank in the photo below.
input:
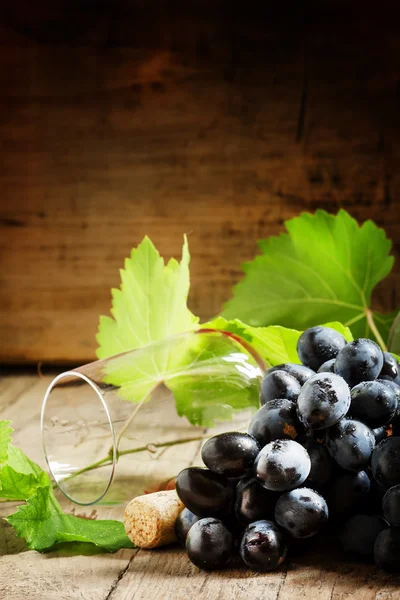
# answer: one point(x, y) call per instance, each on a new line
point(170, 575)
point(320, 575)
point(219, 122)
point(14, 388)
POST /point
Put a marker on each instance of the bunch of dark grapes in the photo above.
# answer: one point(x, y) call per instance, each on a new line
point(324, 446)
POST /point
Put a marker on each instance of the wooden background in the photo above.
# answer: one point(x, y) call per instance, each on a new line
point(218, 119)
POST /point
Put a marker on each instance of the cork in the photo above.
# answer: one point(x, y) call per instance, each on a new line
point(149, 520)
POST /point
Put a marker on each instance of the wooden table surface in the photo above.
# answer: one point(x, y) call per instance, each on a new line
point(78, 573)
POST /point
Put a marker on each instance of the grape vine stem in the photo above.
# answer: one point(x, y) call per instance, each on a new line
point(107, 459)
point(370, 320)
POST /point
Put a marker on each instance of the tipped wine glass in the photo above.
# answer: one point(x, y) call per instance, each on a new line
point(140, 415)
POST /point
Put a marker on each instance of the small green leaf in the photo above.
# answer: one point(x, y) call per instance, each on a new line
point(41, 520)
point(324, 269)
point(18, 461)
point(5, 439)
point(345, 331)
point(43, 525)
point(20, 477)
point(274, 344)
point(20, 486)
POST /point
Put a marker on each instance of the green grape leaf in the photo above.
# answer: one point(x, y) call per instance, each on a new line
point(324, 269)
point(43, 524)
point(41, 520)
point(5, 439)
point(149, 307)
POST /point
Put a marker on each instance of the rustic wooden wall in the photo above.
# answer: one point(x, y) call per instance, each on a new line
point(218, 119)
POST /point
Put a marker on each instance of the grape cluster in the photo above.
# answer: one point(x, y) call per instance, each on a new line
point(322, 454)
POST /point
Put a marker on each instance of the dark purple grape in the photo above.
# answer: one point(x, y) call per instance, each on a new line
point(277, 419)
point(386, 462)
point(358, 361)
point(254, 502)
point(394, 387)
point(327, 367)
point(279, 384)
point(387, 550)
point(263, 546)
point(299, 372)
point(380, 434)
point(360, 532)
point(395, 422)
point(390, 369)
point(209, 544)
point(230, 454)
point(183, 523)
point(391, 506)
point(348, 494)
point(373, 402)
point(301, 512)
point(319, 344)
point(323, 401)
point(321, 465)
point(282, 465)
point(350, 443)
point(204, 492)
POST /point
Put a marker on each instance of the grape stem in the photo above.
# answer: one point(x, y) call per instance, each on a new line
point(370, 320)
point(107, 460)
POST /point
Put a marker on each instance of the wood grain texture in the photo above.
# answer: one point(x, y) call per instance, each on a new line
point(169, 575)
point(80, 573)
point(213, 119)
